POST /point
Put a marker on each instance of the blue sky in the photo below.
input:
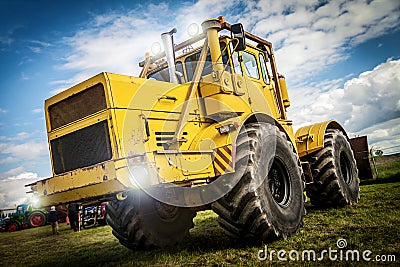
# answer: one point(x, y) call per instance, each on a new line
point(341, 60)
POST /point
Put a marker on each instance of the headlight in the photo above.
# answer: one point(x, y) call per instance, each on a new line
point(156, 48)
point(193, 29)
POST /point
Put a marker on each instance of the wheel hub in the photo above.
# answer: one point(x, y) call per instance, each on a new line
point(279, 183)
point(345, 167)
point(166, 212)
point(36, 220)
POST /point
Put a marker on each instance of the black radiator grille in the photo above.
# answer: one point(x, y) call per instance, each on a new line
point(85, 147)
point(78, 106)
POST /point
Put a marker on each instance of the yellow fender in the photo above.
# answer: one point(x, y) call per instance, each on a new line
point(310, 138)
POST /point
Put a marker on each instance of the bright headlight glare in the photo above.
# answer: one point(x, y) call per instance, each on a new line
point(138, 172)
point(156, 48)
point(35, 201)
point(193, 29)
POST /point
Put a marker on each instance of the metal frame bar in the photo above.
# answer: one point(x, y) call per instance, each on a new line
point(174, 143)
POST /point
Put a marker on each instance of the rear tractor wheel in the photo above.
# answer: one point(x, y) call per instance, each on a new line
point(335, 173)
point(268, 200)
point(36, 219)
point(141, 222)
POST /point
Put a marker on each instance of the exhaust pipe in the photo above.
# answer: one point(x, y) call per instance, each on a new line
point(168, 42)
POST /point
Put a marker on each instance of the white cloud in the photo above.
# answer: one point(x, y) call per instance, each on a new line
point(7, 160)
point(316, 34)
point(375, 94)
point(114, 42)
point(37, 110)
point(367, 104)
point(59, 90)
point(20, 136)
point(24, 176)
point(12, 186)
point(13, 192)
point(3, 111)
point(40, 43)
point(384, 136)
point(379, 134)
point(35, 49)
point(312, 36)
point(117, 42)
point(37, 46)
point(24, 61)
point(18, 173)
point(22, 124)
point(29, 150)
point(11, 172)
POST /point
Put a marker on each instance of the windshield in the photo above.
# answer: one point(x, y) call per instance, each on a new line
point(190, 64)
point(163, 75)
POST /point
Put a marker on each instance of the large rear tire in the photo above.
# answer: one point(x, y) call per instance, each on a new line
point(140, 222)
point(36, 219)
point(268, 201)
point(335, 173)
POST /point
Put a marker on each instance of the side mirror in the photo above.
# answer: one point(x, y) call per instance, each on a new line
point(238, 33)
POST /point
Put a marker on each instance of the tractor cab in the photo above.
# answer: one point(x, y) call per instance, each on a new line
point(22, 209)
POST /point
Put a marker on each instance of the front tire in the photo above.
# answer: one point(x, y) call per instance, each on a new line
point(12, 227)
point(268, 200)
point(334, 168)
point(141, 222)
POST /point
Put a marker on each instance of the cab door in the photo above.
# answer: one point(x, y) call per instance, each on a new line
point(258, 80)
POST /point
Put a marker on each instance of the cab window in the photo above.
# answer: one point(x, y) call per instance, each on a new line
point(163, 74)
point(179, 70)
point(235, 60)
point(20, 210)
point(264, 70)
point(250, 64)
point(225, 56)
point(191, 62)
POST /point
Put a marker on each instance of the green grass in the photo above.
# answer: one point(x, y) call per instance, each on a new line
point(373, 224)
point(388, 169)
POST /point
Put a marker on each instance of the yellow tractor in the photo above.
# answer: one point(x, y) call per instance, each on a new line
point(204, 126)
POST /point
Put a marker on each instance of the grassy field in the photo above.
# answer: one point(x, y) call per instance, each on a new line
point(388, 166)
point(372, 224)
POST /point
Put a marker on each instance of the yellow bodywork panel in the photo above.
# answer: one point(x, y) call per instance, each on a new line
point(178, 166)
point(310, 138)
point(99, 180)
